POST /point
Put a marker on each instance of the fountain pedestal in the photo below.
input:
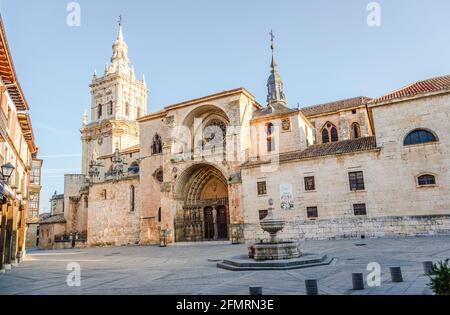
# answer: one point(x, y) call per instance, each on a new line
point(273, 255)
point(273, 250)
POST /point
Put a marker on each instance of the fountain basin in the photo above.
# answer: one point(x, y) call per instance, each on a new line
point(243, 263)
point(274, 251)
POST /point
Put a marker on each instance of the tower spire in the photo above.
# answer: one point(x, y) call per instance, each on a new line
point(119, 59)
point(120, 34)
point(275, 93)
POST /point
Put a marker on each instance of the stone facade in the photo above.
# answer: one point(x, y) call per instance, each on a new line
point(204, 169)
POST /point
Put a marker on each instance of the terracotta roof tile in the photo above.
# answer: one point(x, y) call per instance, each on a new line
point(57, 218)
point(421, 87)
point(327, 149)
point(273, 110)
point(335, 106)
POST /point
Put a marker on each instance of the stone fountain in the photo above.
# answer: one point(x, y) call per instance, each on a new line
point(273, 254)
point(273, 250)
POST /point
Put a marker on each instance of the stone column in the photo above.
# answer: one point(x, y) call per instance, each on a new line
point(22, 232)
point(4, 209)
point(8, 237)
point(15, 233)
point(202, 219)
point(216, 233)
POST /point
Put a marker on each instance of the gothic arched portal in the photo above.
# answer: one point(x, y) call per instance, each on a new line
point(204, 215)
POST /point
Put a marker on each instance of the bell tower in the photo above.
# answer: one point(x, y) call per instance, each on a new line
point(117, 100)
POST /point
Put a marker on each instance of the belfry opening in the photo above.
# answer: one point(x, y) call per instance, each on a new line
point(203, 213)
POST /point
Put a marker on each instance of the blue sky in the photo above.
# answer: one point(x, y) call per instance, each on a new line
point(190, 48)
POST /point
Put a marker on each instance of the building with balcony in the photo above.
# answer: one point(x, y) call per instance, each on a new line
point(34, 198)
point(17, 149)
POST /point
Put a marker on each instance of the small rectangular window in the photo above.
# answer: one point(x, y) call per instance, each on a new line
point(359, 209)
point(312, 213)
point(262, 189)
point(426, 180)
point(310, 183)
point(356, 181)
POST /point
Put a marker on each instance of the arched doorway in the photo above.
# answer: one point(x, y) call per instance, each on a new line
point(204, 215)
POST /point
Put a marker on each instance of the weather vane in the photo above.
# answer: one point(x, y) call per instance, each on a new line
point(120, 20)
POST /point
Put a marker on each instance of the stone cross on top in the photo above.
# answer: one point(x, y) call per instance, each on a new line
point(272, 37)
point(120, 20)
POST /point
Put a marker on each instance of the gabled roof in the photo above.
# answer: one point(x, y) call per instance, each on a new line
point(213, 97)
point(57, 218)
point(415, 89)
point(327, 149)
point(335, 106)
point(273, 110)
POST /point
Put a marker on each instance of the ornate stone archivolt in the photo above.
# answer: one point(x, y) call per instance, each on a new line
point(191, 182)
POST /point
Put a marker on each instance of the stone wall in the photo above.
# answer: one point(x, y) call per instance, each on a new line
point(390, 178)
point(74, 211)
point(345, 228)
point(31, 238)
point(111, 219)
point(343, 121)
point(47, 233)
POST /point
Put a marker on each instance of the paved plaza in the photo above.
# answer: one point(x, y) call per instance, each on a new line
point(191, 269)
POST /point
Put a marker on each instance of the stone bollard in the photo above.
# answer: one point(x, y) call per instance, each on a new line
point(396, 274)
point(427, 266)
point(255, 291)
point(358, 281)
point(311, 287)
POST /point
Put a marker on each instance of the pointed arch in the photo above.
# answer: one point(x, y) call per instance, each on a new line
point(329, 133)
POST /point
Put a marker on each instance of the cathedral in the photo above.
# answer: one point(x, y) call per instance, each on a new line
point(204, 169)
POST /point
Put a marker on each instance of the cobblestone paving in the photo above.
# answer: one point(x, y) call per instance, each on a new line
point(191, 269)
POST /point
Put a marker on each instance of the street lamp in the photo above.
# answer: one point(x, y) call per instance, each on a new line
point(7, 170)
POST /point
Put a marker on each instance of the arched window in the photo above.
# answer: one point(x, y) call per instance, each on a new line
point(334, 134)
point(134, 168)
point(99, 111)
point(86, 201)
point(325, 137)
point(127, 108)
point(156, 144)
point(159, 215)
point(329, 132)
point(426, 180)
point(356, 131)
point(270, 137)
point(419, 136)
